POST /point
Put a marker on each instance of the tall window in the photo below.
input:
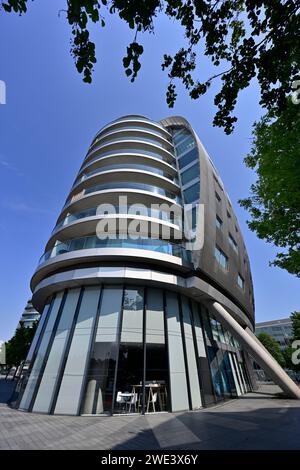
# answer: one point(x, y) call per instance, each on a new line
point(219, 222)
point(233, 243)
point(217, 197)
point(240, 281)
point(221, 257)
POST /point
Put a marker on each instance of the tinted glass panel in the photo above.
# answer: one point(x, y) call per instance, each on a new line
point(190, 174)
point(188, 158)
point(191, 194)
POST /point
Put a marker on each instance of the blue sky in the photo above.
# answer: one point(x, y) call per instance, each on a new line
point(51, 116)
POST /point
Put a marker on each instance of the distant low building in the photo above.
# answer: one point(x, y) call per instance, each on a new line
point(280, 330)
point(29, 316)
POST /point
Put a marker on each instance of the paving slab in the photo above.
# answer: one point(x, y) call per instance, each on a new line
point(261, 420)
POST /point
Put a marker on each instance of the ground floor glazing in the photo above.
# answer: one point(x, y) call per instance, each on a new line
point(116, 349)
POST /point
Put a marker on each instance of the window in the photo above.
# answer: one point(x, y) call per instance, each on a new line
point(188, 158)
point(240, 281)
point(180, 136)
point(217, 196)
point(221, 257)
point(185, 145)
point(233, 243)
point(228, 215)
point(218, 182)
point(190, 174)
point(219, 222)
point(191, 194)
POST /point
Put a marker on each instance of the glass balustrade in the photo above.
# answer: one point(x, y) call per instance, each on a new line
point(135, 151)
point(161, 246)
point(145, 211)
point(125, 166)
point(126, 185)
point(153, 141)
point(133, 129)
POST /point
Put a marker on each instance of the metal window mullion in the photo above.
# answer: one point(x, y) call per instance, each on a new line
point(63, 361)
point(206, 348)
point(52, 336)
point(187, 375)
point(196, 350)
point(119, 332)
point(89, 353)
point(169, 397)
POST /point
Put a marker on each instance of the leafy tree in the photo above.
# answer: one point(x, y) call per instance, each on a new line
point(18, 346)
point(243, 39)
point(272, 346)
point(274, 202)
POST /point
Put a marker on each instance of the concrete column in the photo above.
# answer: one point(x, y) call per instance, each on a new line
point(251, 344)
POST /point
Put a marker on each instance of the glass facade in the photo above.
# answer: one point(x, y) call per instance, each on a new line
point(116, 349)
point(142, 243)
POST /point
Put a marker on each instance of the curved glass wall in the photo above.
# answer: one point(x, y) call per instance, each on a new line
point(127, 185)
point(125, 166)
point(84, 243)
point(122, 349)
point(149, 212)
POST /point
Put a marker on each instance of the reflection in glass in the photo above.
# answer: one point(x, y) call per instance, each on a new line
point(128, 397)
point(101, 370)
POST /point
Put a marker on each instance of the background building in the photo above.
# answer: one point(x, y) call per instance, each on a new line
point(29, 316)
point(280, 330)
point(156, 322)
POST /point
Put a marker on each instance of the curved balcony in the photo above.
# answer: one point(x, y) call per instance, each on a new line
point(125, 185)
point(84, 243)
point(83, 201)
point(133, 145)
point(125, 167)
point(118, 223)
point(125, 175)
point(169, 217)
point(131, 159)
point(128, 155)
point(139, 122)
point(143, 136)
point(135, 133)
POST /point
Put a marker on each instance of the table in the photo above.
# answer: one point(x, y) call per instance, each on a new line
point(153, 388)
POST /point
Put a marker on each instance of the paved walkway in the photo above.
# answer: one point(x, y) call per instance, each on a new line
point(263, 420)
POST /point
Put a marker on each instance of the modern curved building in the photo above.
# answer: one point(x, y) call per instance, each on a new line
point(145, 285)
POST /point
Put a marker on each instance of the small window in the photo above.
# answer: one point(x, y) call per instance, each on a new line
point(221, 257)
point(228, 215)
point(217, 197)
point(219, 222)
point(236, 229)
point(240, 281)
point(233, 243)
